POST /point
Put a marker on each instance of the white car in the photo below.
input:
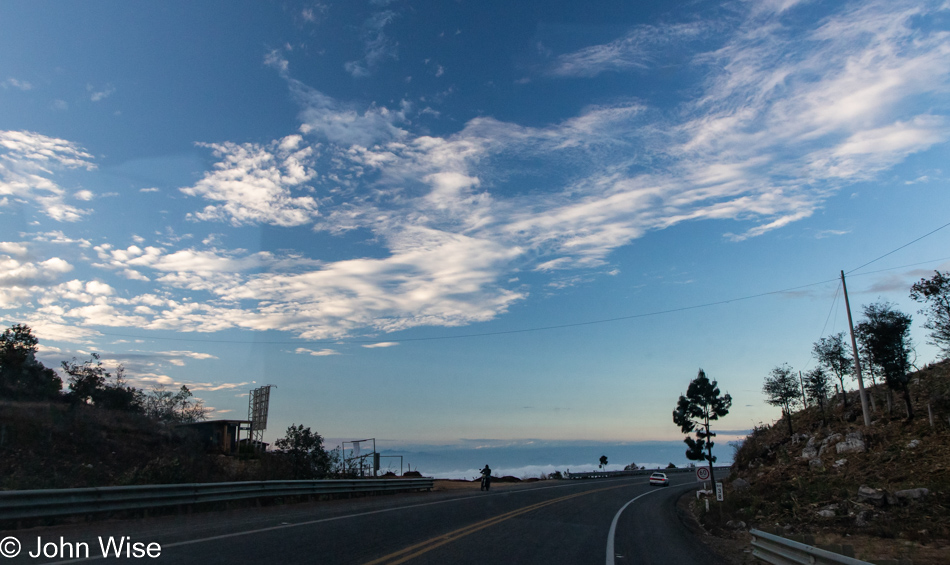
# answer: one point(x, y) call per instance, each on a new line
point(659, 479)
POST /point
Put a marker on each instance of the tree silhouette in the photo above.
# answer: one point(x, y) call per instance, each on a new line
point(832, 354)
point(936, 292)
point(887, 332)
point(781, 389)
point(603, 461)
point(22, 377)
point(701, 405)
point(816, 387)
point(90, 383)
point(308, 458)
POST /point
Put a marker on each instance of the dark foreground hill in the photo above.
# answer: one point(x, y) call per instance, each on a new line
point(56, 445)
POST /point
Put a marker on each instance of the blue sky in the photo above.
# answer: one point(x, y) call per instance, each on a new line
point(343, 199)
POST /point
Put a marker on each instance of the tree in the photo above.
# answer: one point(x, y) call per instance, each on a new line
point(936, 292)
point(308, 458)
point(179, 407)
point(817, 386)
point(781, 389)
point(694, 412)
point(90, 383)
point(887, 332)
point(603, 461)
point(832, 354)
point(22, 377)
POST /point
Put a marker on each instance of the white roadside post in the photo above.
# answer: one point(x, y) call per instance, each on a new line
point(719, 492)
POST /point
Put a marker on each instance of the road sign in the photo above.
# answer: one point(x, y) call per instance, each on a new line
point(719, 492)
point(702, 474)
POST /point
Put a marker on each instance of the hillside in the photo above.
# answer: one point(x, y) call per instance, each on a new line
point(885, 490)
point(57, 445)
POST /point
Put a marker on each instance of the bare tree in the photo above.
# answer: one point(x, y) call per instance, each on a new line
point(178, 407)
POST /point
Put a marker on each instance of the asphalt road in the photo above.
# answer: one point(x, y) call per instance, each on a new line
point(622, 521)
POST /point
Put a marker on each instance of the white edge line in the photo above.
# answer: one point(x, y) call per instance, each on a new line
point(613, 526)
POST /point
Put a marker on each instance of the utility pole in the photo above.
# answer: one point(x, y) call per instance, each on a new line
point(857, 360)
point(801, 381)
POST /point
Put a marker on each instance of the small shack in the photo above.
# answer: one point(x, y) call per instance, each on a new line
point(220, 436)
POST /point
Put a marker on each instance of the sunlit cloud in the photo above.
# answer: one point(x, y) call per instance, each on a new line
point(28, 162)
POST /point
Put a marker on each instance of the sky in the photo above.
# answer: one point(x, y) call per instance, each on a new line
point(468, 224)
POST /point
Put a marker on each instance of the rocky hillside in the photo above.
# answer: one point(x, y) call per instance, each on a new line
point(884, 489)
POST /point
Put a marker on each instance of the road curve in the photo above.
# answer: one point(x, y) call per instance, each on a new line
point(546, 522)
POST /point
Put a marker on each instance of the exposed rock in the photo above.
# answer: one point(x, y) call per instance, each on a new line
point(736, 525)
point(850, 444)
point(816, 465)
point(831, 439)
point(862, 519)
point(913, 444)
point(809, 452)
point(911, 493)
point(740, 484)
point(826, 513)
point(828, 442)
point(840, 463)
point(871, 495)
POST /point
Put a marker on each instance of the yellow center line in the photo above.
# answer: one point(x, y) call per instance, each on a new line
point(418, 549)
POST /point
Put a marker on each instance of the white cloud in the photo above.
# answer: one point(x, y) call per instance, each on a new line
point(98, 94)
point(254, 182)
point(377, 46)
point(320, 353)
point(13, 248)
point(15, 83)
point(28, 160)
point(638, 49)
point(381, 344)
point(19, 273)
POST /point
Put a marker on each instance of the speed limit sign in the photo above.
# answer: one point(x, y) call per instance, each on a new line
point(702, 474)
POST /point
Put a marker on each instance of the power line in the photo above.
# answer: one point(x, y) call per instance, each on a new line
point(830, 310)
point(899, 248)
point(485, 334)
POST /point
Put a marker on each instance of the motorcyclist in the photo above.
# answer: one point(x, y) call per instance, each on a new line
point(486, 478)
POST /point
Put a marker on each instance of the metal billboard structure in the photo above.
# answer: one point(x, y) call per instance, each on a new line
point(257, 407)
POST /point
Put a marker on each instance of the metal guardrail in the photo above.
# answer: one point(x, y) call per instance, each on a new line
point(781, 551)
point(606, 474)
point(20, 504)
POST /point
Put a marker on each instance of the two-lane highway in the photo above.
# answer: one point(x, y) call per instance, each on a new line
point(622, 521)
